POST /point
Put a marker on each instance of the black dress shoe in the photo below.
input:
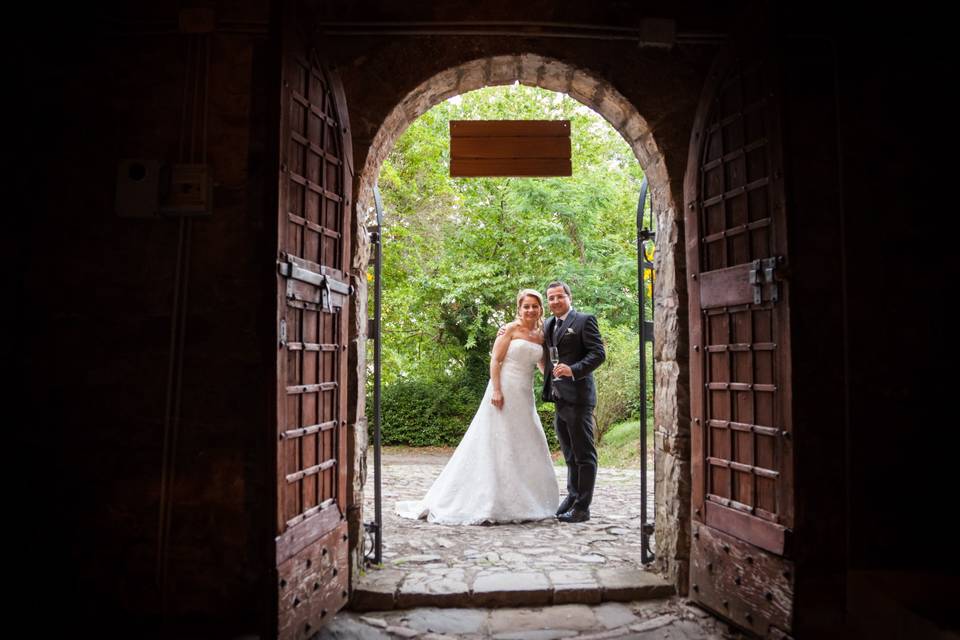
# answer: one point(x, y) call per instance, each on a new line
point(565, 505)
point(574, 515)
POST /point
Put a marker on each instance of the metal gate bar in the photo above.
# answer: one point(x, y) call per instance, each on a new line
point(644, 235)
point(375, 528)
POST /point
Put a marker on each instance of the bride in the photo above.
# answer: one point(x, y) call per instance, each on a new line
point(501, 471)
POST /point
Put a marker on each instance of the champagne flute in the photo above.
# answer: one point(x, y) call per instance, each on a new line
point(555, 360)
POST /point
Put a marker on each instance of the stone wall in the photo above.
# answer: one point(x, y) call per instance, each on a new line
point(649, 96)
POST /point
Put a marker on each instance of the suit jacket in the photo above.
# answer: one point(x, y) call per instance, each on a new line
point(580, 347)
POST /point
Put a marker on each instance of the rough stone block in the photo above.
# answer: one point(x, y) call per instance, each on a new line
point(583, 87)
point(625, 585)
point(439, 589)
point(613, 614)
point(504, 70)
point(377, 591)
point(511, 590)
point(554, 76)
point(530, 68)
point(472, 76)
point(448, 621)
point(570, 617)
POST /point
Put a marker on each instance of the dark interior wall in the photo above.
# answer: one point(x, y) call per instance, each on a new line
point(815, 249)
point(872, 358)
point(899, 263)
point(99, 88)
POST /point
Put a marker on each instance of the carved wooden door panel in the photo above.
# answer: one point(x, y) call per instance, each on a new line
point(313, 293)
point(740, 359)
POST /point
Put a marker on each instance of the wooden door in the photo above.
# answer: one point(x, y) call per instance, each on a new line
point(313, 295)
point(740, 360)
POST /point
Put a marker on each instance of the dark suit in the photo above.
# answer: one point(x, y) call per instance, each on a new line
point(581, 347)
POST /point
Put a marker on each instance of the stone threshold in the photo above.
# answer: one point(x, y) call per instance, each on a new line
point(386, 589)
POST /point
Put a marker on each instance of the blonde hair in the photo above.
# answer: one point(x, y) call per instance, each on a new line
point(536, 294)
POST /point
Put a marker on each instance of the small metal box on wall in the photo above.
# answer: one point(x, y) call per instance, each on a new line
point(138, 187)
point(150, 188)
point(510, 148)
point(190, 191)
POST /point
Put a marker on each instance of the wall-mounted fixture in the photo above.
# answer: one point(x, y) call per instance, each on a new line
point(150, 188)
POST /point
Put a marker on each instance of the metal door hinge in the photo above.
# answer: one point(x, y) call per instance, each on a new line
point(763, 272)
point(283, 332)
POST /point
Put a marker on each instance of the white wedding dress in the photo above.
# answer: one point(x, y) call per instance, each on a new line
point(501, 471)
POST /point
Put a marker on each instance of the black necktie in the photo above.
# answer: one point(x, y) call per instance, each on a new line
point(556, 330)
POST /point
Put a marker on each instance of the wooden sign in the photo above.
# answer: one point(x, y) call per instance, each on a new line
point(506, 148)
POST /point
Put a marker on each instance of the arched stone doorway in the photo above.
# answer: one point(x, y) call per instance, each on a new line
point(671, 434)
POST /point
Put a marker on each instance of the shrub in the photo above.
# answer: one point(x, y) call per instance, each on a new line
point(546, 413)
point(617, 380)
point(422, 413)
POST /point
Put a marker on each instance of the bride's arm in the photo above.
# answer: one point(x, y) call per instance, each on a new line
point(496, 361)
point(542, 365)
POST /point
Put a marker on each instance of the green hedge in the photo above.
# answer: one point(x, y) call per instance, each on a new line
point(618, 379)
point(437, 412)
point(420, 413)
point(545, 411)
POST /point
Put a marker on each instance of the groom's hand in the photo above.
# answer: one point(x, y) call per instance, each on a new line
point(562, 371)
point(501, 331)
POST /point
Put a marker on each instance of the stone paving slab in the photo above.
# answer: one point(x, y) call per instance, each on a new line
point(534, 563)
point(575, 586)
point(498, 588)
point(664, 619)
point(626, 584)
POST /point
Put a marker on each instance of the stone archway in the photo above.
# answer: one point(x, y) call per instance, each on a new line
point(672, 485)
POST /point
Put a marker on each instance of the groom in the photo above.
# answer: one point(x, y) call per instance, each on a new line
point(577, 338)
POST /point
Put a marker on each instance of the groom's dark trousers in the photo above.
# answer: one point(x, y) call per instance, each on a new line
point(574, 426)
point(581, 347)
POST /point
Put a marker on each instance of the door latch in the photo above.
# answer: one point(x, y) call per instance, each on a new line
point(326, 295)
point(764, 271)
